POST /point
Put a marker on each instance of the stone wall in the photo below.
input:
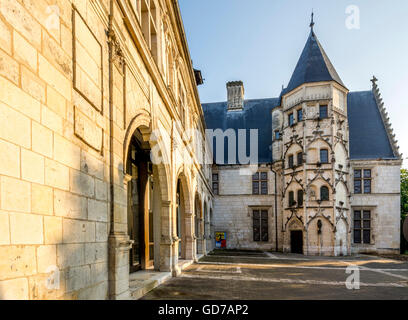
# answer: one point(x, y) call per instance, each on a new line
point(234, 204)
point(384, 204)
point(74, 87)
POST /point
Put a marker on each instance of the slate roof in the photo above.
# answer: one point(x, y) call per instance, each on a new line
point(368, 135)
point(256, 114)
point(313, 66)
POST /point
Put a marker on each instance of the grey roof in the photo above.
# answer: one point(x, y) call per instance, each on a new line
point(313, 66)
point(368, 135)
point(255, 115)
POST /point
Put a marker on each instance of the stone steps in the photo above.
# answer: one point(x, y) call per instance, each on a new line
point(142, 282)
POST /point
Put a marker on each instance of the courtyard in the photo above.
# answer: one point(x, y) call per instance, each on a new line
point(247, 275)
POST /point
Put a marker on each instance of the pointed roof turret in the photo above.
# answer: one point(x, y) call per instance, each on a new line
point(313, 65)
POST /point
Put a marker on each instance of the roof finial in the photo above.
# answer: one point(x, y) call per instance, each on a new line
point(312, 21)
point(374, 81)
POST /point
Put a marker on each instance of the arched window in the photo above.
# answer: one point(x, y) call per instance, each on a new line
point(324, 193)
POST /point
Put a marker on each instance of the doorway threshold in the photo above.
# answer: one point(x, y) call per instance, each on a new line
point(141, 282)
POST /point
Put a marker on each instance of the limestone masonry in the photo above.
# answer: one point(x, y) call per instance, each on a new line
point(106, 168)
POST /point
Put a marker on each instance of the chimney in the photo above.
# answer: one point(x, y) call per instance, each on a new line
point(235, 92)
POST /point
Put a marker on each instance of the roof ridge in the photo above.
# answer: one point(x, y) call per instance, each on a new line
point(385, 118)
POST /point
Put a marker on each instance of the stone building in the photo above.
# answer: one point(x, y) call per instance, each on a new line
point(327, 176)
point(102, 147)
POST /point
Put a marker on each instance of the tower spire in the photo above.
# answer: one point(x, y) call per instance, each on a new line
point(312, 21)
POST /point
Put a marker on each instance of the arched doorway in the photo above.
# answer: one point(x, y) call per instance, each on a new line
point(141, 189)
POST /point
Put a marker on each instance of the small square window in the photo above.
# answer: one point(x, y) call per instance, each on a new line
point(290, 161)
point(291, 119)
point(300, 158)
point(299, 115)
point(324, 156)
point(323, 112)
point(367, 173)
point(277, 135)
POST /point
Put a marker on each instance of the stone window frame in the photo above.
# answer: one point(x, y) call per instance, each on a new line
point(260, 179)
point(260, 209)
point(362, 179)
point(324, 187)
point(373, 210)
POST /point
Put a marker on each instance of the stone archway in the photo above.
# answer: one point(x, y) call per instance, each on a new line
point(184, 219)
point(158, 209)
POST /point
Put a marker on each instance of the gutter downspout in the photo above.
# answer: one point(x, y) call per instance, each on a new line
point(111, 182)
point(276, 208)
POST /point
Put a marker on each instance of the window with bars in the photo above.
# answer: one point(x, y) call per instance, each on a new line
point(260, 183)
point(362, 181)
point(362, 226)
point(260, 225)
point(300, 198)
point(324, 194)
point(215, 183)
point(323, 112)
point(324, 156)
point(299, 115)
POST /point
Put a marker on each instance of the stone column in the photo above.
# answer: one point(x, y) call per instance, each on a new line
point(190, 241)
point(119, 246)
point(166, 242)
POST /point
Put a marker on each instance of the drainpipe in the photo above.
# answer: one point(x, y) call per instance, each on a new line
point(111, 191)
point(276, 208)
point(110, 44)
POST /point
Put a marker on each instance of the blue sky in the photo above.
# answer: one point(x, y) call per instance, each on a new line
point(260, 42)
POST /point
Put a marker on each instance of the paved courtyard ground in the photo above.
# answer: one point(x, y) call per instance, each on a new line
point(244, 275)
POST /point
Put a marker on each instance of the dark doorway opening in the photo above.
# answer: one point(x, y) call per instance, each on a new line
point(140, 198)
point(296, 241)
